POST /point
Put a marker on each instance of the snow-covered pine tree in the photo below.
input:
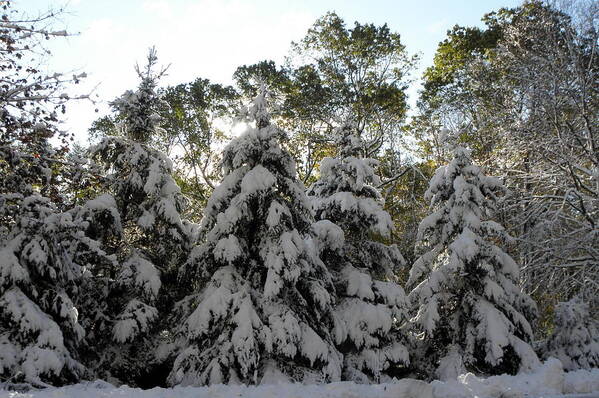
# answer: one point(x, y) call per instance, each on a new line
point(150, 241)
point(39, 331)
point(371, 305)
point(138, 110)
point(43, 245)
point(44, 253)
point(469, 310)
point(575, 337)
point(263, 305)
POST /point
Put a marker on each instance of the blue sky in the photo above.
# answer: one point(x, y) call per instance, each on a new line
point(211, 38)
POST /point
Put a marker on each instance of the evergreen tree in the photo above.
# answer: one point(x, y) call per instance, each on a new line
point(575, 338)
point(371, 305)
point(39, 328)
point(146, 234)
point(138, 110)
point(45, 252)
point(468, 307)
point(262, 307)
point(43, 246)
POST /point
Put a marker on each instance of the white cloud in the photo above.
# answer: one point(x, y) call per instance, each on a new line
point(437, 27)
point(206, 38)
point(160, 7)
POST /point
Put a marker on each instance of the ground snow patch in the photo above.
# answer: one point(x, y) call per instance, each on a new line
point(548, 381)
point(406, 388)
point(582, 381)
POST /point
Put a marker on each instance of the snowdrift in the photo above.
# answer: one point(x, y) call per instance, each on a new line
point(549, 380)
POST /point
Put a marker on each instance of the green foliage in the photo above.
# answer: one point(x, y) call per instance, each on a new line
point(462, 45)
point(249, 77)
point(332, 72)
point(364, 69)
point(404, 201)
point(190, 132)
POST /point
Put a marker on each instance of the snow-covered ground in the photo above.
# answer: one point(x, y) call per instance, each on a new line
point(549, 381)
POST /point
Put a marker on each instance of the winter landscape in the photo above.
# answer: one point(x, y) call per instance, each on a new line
point(349, 220)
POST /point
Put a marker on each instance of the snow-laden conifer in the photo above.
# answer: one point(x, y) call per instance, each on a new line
point(263, 305)
point(43, 245)
point(371, 305)
point(150, 240)
point(575, 337)
point(138, 109)
point(468, 307)
point(42, 260)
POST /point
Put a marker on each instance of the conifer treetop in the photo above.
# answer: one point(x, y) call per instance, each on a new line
point(465, 294)
point(264, 301)
point(370, 304)
point(139, 108)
